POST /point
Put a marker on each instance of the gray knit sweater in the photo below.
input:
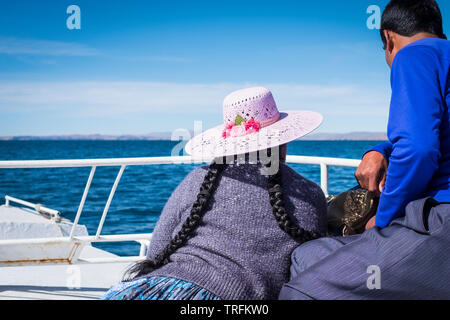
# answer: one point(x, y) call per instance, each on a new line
point(238, 252)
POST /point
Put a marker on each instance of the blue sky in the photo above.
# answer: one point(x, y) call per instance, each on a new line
point(143, 66)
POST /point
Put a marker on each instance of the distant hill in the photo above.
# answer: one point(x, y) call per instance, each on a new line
point(92, 137)
point(353, 136)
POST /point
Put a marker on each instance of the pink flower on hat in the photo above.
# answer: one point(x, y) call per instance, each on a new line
point(225, 134)
point(252, 125)
point(245, 128)
point(238, 131)
point(227, 131)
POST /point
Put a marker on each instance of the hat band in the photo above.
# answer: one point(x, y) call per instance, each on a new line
point(270, 121)
point(246, 128)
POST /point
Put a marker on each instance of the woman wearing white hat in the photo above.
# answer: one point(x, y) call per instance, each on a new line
point(233, 239)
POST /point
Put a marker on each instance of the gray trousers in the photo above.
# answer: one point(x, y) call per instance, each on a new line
point(410, 259)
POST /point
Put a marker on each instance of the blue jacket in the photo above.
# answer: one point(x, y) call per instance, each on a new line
point(418, 150)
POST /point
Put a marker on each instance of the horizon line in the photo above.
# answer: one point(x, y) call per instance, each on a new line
point(166, 136)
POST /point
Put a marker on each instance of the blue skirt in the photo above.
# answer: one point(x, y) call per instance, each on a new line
point(158, 288)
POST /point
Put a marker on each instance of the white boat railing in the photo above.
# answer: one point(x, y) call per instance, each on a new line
point(143, 239)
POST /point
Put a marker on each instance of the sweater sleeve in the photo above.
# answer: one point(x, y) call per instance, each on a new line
point(180, 201)
point(413, 130)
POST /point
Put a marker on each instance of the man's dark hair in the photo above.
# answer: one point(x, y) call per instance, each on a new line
point(409, 17)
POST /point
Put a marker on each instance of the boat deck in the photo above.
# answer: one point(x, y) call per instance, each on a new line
point(61, 282)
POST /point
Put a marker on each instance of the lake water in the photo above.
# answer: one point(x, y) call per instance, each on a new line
point(143, 190)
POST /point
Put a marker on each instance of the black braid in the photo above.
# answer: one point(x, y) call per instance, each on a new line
point(200, 207)
point(283, 218)
point(198, 210)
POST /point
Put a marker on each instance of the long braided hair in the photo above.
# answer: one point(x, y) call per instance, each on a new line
point(284, 220)
point(199, 209)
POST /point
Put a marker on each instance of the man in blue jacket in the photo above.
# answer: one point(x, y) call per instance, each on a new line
point(404, 254)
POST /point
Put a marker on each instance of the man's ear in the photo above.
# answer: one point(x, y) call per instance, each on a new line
point(389, 40)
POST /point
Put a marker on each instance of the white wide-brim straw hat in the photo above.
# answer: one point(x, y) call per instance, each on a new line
point(252, 123)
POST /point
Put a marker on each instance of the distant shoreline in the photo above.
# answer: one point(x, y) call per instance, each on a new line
point(352, 136)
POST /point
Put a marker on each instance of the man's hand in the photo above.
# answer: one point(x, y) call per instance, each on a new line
point(371, 173)
point(371, 223)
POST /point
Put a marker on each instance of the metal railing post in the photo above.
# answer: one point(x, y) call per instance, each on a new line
point(111, 195)
point(144, 247)
point(324, 178)
point(83, 199)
